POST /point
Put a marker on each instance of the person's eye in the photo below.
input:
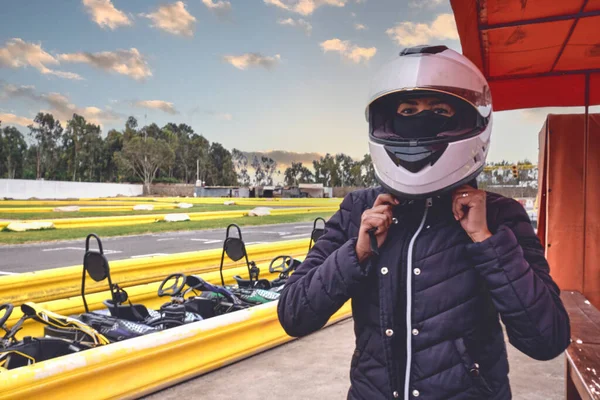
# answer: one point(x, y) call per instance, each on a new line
point(407, 111)
point(441, 111)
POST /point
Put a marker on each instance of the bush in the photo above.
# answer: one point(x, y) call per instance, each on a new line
point(166, 180)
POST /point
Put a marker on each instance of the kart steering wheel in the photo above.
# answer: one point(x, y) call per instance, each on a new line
point(175, 288)
point(286, 264)
point(9, 309)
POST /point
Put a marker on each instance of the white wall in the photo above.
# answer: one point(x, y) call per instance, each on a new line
point(22, 189)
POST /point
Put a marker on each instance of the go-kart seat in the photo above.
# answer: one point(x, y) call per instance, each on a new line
point(202, 306)
point(256, 284)
point(130, 312)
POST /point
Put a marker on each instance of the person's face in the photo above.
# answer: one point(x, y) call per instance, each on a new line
point(418, 104)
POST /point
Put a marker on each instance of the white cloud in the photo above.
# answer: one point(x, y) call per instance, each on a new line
point(165, 106)
point(253, 60)
point(173, 18)
point(414, 34)
point(221, 8)
point(298, 23)
point(305, 7)
point(426, 3)
point(12, 119)
point(59, 105)
point(348, 50)
point(125, 62)
point(17, 53)
point(360, 27)
point(104, 13)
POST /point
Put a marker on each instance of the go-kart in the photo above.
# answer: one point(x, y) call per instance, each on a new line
point(30, 350)
point(254, 290)
point(121, 319)
point(316, 232)
point(210, 302)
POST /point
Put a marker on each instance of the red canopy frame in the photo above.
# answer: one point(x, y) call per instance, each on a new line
point(540, 53)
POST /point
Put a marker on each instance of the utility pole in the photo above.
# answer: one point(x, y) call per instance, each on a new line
point(197, 169)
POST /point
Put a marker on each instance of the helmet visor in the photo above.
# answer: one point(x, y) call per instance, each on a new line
point(428, 116)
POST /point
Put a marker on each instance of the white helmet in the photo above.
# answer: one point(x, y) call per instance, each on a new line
point(455, 149)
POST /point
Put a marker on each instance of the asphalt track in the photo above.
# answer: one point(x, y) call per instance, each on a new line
point(29, 257)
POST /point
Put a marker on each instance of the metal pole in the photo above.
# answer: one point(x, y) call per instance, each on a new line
point(586, 136)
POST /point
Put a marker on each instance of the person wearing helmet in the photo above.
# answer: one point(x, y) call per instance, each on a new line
point(431, 263)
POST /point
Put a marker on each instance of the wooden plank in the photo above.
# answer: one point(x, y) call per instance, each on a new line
point(571, 389)
point(584, 369)
point(585, 318)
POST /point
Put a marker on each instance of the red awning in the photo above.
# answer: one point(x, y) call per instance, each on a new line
point(534, 53)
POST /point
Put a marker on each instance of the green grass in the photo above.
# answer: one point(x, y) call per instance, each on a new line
point(81, 214)
point(80, 233)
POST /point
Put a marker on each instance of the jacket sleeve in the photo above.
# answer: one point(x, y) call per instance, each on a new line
point(325, 280)
point(512, 263)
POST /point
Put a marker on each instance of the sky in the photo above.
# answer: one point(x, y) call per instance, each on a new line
point(257, 75)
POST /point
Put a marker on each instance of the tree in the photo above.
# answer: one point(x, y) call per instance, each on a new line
point(144, 157)
point(111, 145)
point(222, 171)
point(259, 173)
point(91, 164)
point(368, 174)
point(269, 167)
point(130, 129)
point(297, 174)
point(12, 152)
point(326, 171)
point(82, 146)
point(191, 150)
point(240, 162)
point(346, 171)
point(199, 156)
point(46, 135)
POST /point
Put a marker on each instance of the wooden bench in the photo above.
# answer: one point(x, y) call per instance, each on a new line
point(583, 355)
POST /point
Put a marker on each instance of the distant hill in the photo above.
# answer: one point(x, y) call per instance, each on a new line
point(285, 158)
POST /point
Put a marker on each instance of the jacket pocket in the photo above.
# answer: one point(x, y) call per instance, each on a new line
point(472, 368)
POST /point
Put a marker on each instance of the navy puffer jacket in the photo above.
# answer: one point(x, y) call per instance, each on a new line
point(426, 311)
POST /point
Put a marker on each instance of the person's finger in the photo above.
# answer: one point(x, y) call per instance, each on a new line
point(385, 199)
point(458, 206)
point(378, 221)
point(383, 210)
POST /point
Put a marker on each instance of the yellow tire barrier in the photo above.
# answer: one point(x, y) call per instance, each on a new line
point(69, 223)
point(124, 201)
point(141, 294)
point(61, 283)
point(23, 210)
point(136, 367)
point(279, 202)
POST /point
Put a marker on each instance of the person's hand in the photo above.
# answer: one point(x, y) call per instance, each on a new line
point(468, 206)
point(379, 217)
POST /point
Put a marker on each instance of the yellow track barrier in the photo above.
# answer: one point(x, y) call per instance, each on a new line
point(141, 294)
point(61, 283)
point(136, 367)
point(69, 223)
point(266, 202)
point(124, 201)
point(23, 210)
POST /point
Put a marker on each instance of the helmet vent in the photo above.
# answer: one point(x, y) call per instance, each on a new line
point(424, 49)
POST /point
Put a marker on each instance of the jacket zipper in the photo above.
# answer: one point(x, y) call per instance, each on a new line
point(409, 263)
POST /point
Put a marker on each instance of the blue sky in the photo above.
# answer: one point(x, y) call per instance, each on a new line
point(253, 74)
